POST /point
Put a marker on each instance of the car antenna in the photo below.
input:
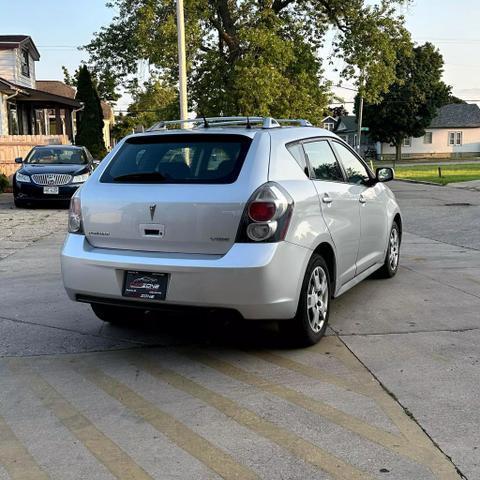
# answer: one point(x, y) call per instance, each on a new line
point(205, 122)
point(249, 125)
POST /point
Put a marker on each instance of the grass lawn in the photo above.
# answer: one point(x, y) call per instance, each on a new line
point(460, 172)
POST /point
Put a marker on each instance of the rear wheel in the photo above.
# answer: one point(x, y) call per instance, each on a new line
point(115, 315)
point(309, 324)
point(392, 258)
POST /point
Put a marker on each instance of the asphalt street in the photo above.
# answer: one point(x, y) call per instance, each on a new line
point(391, 393)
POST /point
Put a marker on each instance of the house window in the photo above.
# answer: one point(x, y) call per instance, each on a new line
point(407, 142)
point(455, 138)
point(13, 125)
point(25, 63)
point(428, 137)
point(329, 126)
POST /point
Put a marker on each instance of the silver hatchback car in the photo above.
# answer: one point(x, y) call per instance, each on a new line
point(269, 219)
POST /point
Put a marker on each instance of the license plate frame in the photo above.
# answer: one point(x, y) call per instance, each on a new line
point(50, 190)
point(145, 285)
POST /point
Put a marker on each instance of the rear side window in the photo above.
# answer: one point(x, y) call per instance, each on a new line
point(323, 162)
point(180, 158)
point(296, 150)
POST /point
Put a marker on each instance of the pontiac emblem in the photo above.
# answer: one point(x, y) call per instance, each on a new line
point(152, 211)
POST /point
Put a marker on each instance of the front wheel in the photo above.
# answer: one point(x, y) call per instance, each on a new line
point(309, 324)
point(392, 258)
point(19, 203)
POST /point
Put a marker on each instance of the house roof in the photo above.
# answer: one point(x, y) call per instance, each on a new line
point(347, 123)
point(32, 95)
point(457, 115)
point(56, 87)
point(8, 42)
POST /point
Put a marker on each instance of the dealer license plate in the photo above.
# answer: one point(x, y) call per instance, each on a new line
point(146, 285)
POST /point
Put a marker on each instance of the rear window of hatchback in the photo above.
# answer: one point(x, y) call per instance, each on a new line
point(179, 158)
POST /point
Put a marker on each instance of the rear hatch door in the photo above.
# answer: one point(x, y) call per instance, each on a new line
point(170, 193)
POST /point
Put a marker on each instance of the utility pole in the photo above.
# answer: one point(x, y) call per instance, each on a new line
point(360, 120)
point(182, 63)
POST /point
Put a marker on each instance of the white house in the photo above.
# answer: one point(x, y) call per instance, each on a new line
point(454, 132)
point(24, 108)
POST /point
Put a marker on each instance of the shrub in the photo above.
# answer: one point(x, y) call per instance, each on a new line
point(3, 182)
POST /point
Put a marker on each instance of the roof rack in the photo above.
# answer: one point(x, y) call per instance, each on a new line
point(248, 122)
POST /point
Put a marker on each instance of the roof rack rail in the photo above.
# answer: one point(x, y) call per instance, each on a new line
point(211, 122)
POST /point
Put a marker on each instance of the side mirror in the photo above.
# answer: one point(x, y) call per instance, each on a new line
point(384, 174)
point(19, 160)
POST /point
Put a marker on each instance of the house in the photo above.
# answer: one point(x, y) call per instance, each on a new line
point(34, 112)
point(346, 128)
point(56, 87)
point(29, 116)
point(328, 123)
point(24, 108)
point(454, 132)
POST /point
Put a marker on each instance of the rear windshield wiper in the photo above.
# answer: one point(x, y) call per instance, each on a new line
point(146, 177)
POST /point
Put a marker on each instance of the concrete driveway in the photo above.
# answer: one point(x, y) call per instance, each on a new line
point(391, 393)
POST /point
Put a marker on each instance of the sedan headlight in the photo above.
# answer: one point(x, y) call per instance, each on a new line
point(20, 177)
point(80, 178)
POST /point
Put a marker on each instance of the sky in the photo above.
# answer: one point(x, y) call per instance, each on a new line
point(58, 27)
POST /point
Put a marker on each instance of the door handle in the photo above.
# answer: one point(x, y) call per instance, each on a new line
point(362, 199)
point(327, 199)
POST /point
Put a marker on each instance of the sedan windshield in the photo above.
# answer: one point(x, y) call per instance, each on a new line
point(57, 156)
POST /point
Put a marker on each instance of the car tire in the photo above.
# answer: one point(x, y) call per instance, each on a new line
point(115, 315)
point(392, 258)
point(311, 320)
point(19, 203)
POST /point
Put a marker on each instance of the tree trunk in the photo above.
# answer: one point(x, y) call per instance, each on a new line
point(398, 153)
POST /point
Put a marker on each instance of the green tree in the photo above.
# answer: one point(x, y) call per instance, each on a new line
point(256, 56)
point(104, 82)
point(90, 119)
point(151, 103)
point(412, 101)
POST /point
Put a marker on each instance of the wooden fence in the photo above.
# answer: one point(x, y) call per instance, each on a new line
point(13, 146)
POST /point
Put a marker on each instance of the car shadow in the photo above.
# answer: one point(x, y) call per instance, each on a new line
point(219, 331)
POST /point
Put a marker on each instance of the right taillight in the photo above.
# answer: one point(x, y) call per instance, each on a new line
point(75, 224)
point(267, 215)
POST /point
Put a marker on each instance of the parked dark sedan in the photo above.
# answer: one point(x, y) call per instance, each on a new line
point(52, 172)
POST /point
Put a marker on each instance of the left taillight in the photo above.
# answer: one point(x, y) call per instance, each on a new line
point(75, 224)
point(266, 216)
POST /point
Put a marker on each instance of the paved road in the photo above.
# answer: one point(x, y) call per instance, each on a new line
point(391, 393)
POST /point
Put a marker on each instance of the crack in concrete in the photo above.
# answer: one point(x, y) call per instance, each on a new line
point(441, 283)
point(379, 334)
point(404, 408)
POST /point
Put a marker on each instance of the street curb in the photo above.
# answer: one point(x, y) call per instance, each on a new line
point(421, 182)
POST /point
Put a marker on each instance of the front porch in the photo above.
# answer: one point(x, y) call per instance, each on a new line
point(33, 112)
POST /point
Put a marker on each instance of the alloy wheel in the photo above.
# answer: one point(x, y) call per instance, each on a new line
point(394, 249)
point(317, 299)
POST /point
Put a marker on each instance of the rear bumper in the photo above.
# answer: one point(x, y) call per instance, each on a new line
point(260, 281)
